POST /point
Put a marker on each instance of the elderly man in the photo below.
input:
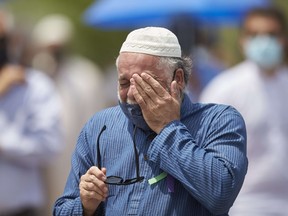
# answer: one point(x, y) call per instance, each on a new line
point(156, 153)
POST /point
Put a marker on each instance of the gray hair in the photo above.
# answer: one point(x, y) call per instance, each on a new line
point(173, 63)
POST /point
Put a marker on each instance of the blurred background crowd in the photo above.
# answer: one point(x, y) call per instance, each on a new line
point(74, 44)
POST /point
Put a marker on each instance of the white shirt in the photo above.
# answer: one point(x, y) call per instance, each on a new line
point(30, 137)
point(262, 101)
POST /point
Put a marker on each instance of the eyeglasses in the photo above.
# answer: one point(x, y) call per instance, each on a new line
point(116, 180)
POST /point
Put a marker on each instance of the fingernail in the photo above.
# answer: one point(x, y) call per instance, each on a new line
point(103, 178)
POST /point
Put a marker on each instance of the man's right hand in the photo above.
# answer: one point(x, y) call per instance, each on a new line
point(93, 189)
point(11, 75)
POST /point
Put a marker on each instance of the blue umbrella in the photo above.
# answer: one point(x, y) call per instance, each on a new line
point(129, 14)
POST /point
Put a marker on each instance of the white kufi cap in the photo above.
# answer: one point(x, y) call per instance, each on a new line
point(155, 41)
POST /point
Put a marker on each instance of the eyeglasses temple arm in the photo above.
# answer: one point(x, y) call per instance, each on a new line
point(98, 147)
point(136, 153)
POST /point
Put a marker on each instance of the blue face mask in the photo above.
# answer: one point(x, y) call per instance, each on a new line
point(134, 114)
point(265, 51)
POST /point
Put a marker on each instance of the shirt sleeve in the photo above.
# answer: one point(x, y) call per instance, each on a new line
point(34, 135)
point(70, 203)
point(212, 171)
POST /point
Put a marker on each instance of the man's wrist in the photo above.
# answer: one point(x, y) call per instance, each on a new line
point(88, 213)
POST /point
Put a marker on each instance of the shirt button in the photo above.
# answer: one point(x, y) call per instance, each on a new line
point(146, 157)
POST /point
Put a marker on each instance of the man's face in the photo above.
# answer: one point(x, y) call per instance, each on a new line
point(136, 63)
point(261, 25)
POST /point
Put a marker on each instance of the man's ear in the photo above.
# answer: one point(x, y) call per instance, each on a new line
point(179, 78)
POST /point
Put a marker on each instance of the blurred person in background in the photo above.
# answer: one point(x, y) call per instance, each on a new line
point(30, 130)
point(79, 82)
point(258, 88)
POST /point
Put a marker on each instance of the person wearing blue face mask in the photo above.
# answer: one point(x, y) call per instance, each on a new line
point(257, 87)
point(156, 153)
point(264, 40)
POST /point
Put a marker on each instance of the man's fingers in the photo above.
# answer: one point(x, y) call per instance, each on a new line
point(92, 184)
point(97, 173)
point(139, 95)
point(175, 91)
point(155, 85)
point(144, 89)
point(91, 190)
point(104, 171)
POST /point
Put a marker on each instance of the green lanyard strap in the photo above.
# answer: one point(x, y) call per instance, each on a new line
point(157, 178)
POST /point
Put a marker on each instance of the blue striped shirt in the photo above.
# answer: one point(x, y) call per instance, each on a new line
point(205, 153)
